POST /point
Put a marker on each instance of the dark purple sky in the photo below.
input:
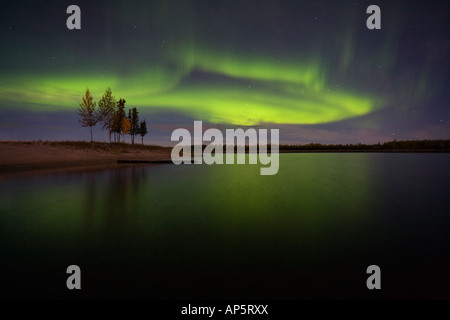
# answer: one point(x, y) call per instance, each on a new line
point(310, 68)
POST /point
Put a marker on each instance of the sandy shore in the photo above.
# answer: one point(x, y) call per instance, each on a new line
point(18, 156)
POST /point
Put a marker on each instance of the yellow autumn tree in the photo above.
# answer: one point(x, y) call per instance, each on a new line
point(126, 126)
point(88, 113)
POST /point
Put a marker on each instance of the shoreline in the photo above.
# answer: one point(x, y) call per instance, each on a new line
point(19, 157)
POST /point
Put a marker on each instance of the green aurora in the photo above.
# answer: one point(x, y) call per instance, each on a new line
point(250, 63)
point(292, 92)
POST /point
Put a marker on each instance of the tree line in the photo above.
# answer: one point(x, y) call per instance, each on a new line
point(391, 145)
point(112, 117)
point(412, 145)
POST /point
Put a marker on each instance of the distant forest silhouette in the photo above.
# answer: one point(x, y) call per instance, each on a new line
point(392, 145)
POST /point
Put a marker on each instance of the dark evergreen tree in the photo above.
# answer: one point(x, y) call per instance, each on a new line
point(119, 115)
point(134, 121)
point(143, 130)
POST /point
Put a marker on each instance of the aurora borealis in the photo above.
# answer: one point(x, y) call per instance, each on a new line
point(310, 68)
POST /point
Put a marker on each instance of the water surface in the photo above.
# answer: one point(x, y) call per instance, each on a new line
point(225, 231)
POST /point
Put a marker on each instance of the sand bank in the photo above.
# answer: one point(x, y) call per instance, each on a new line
point(21, 156)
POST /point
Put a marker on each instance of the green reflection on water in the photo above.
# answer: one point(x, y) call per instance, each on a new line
point(218, 209)
point(227, 231)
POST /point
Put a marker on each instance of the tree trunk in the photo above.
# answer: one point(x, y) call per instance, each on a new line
point(91, 135)
point(142, 137)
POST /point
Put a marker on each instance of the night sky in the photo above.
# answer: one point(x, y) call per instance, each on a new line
point(310, 68)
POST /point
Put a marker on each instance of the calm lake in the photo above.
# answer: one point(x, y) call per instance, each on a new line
point(225, 231)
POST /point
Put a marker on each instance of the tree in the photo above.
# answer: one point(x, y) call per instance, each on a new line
point(126, 126)
point(118, 120)
point(107, 107)
point(143, 130)
point(134, 123)
point(88, 112)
